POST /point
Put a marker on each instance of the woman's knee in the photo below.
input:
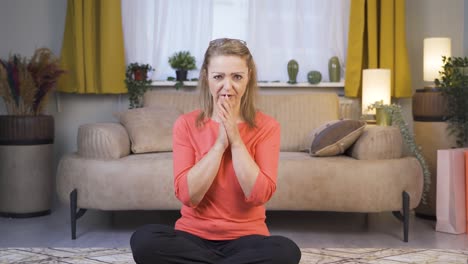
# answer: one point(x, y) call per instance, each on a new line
point(145, 241)
point(285, 250)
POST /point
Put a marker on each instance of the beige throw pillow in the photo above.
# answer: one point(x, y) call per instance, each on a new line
point(150, 128)
point(377, 143)
point(334, 137)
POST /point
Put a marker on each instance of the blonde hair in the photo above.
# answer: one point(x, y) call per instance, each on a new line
point(228, 47)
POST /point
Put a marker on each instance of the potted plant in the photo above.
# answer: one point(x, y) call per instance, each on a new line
point(454, 84)
point(391, 114)
point(182, 62)
point(137, 82)
point(26, 133)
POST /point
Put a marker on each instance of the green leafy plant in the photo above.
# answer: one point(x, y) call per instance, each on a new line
point(454, 72)
point(182, 60)
point(454, 80)
point(137, 82)
point(395, 111)
point(25, 84)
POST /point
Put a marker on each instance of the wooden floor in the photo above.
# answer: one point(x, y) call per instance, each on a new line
point(307, 229)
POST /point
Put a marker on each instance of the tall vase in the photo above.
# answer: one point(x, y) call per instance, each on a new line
point(26, 165)
point(334, 69)
point(293, 69)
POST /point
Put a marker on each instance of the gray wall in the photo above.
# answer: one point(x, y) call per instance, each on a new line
point(465, 30)
point(431, 18)
point(28, 24)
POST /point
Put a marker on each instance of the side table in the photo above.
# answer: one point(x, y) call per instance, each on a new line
point(431, 136)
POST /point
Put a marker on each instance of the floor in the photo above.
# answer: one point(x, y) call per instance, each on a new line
point(307, 229)
point(308, 256)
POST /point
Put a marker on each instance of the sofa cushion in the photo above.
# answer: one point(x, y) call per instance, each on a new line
point(377, 143)
point(334, 137)
point(297, 114)
point(103, 141)
point(150, 128)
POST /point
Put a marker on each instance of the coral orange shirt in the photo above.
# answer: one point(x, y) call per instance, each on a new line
point(225, 212)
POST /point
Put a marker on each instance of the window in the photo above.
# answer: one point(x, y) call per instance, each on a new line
point(310, 31)
point(230, 18)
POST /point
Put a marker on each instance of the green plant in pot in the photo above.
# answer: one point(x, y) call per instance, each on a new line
point(27, 133)
point(182, 62)
point(454, 84)
point(391, 114)
point(138, 82)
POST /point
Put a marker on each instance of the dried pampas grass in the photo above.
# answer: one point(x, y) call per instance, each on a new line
point(25, 84)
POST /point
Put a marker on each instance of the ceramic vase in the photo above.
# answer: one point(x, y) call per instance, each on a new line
point(293, 69)
point(26, 165)
point(334, 69)
point(382, 117)
point(314, 77)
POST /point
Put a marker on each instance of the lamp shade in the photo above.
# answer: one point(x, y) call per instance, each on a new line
point(375, 87)
point(434, 49)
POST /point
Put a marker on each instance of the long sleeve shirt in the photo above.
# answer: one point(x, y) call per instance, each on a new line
point(225, 212)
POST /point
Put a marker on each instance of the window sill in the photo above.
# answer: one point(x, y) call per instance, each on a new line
point(260, 84)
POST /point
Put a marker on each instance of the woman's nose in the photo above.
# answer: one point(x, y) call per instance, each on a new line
point(227, 85)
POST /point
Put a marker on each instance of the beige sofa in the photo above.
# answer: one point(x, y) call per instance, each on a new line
point(373, 177)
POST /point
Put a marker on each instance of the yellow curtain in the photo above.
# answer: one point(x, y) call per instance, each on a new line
point(377, 39)
point(93, 48)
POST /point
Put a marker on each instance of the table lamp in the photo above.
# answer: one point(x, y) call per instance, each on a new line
point(434, 49)
point(375, 87)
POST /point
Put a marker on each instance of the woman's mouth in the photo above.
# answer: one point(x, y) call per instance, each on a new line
point(226, 96)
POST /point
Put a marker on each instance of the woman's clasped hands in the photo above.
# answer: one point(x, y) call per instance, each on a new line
point(226, 115)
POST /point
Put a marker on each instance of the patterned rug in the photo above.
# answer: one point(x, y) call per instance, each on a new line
point(309, 255)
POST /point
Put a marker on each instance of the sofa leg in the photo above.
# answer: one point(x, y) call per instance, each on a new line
point(405, 217)
point(75, 215)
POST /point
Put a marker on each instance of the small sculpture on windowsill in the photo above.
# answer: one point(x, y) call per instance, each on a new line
point(293, 69)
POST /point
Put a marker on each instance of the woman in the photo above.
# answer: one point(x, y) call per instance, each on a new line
point(225, 167)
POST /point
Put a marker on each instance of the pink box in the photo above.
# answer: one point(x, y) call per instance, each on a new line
point(451, 189)
point(466, 187)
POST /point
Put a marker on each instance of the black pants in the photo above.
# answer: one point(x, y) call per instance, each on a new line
point(162, 244)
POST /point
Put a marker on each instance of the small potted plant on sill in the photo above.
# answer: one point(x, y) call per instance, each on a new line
point(182, 62)
point(391, 114)
point(137, 82)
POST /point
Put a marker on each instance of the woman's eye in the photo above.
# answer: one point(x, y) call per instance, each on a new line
point(217, 77)
point(238, 77)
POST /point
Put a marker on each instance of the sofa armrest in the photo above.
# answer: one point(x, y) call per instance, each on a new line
point(103, 141)
point(377, 143)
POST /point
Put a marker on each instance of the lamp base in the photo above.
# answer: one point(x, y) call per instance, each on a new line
point(382, 117)
point(369, 119)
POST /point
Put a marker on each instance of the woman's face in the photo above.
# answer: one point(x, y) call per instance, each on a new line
point(227, 78)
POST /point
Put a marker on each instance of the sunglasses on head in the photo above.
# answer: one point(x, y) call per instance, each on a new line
point(222, 41)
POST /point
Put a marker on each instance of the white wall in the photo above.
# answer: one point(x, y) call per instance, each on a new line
point(29, 24)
